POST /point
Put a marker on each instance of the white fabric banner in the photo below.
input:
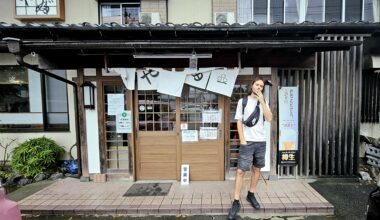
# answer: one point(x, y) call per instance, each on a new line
point(127, 75)
point(148, 79)
point(222, 81)
point(198, 78)
point(171, 83)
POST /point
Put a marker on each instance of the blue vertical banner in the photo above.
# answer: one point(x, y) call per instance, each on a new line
point(288, 125)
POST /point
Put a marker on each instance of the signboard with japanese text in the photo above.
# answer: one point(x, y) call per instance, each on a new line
point(208, 133)
point(212, 116)
point(124, 122)
point(288, 125)
point(115, 104)
point(189, 135)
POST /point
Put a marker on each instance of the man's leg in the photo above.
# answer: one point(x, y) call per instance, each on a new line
point(252, 188)
point(254, 179)
point(239, 179)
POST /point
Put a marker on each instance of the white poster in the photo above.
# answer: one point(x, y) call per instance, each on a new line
point(212, 116)
point(189, 135)
point(124, 122)
point(222, 81)
point(148, 79)
point(115, 103)
point(288, 118)
point(171, 83)
point(209, 133)
point(198, 78)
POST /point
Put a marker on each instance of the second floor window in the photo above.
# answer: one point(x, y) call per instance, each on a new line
point(298, 11)
point(121, 13)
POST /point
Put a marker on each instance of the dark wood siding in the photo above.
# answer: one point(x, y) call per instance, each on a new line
point(329, 111)
point(371, 96)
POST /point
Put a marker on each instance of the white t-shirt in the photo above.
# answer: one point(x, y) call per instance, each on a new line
point(255, 133)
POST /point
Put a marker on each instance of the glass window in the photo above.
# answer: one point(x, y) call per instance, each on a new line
point(14, 89)
point(314, 10)
point(157, 112)
point(277, 11)
point(333, 10)
point(122, 13)
point(244, 11)
point(22, 100)
point(353, 10)
point(110, 13)
point(260, 8)
point(369, 10)
point(56, 102)
point(292, 8)
point(193, 102)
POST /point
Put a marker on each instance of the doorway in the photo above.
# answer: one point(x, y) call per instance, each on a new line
point(160, 149)
point(240, 90)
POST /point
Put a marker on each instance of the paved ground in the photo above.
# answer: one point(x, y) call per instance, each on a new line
point(208, 198)
point(348, 196)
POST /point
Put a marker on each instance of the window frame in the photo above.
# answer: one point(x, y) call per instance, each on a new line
point(302, 13)
point(37, 127)
point(120, 4)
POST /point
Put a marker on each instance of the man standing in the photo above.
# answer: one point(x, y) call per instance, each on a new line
point(250, 114)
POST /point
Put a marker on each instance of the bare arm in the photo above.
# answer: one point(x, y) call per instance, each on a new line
point(267, 113)
point(240, 132)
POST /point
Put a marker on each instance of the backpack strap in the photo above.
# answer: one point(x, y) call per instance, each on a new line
point(244, 104)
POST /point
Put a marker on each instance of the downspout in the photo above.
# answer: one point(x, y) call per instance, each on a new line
point(167, 11)
point(15, 48)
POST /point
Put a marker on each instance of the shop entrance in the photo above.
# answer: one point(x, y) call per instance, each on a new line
point(160, 148)
point(117, 154)
point(233, 143)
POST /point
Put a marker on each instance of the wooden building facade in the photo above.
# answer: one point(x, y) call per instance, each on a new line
point(323, 60)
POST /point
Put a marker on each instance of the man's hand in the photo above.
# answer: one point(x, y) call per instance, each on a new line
point(259, 95)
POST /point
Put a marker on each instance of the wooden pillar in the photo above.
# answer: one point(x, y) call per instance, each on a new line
point(274, 126)
point(82, 127)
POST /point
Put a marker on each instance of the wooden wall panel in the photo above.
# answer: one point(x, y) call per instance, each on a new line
point(157, 156)
point(329, 107)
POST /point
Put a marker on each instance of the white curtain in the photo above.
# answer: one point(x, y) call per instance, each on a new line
point(302, 9)
point(376, 10)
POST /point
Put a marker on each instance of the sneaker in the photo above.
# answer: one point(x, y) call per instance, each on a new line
point(252, 199)
point(234, 210)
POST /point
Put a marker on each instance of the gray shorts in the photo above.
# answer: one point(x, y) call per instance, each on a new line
point(252, 153)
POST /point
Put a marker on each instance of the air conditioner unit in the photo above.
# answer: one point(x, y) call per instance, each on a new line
point(220, 17)
point(150, 17)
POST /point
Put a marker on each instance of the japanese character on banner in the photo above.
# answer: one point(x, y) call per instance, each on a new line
point(198, 78)
point(222, 81)
point(147, 79)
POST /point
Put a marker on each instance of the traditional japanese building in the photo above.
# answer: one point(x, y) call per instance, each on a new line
point(76, 82)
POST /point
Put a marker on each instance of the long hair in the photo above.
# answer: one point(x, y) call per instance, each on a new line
point(255, 79)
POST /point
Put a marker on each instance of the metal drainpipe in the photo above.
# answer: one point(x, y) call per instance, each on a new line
point(14, 47)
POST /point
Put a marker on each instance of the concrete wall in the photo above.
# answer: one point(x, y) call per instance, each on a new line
point(155, 6)
point(370, 129)
point(185, 11)
point(224, 6)
point(76, 11)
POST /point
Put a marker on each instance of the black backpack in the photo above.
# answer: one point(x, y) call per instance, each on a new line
point(254, 117)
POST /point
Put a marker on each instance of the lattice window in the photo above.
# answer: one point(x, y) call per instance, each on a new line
point(156, 111)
